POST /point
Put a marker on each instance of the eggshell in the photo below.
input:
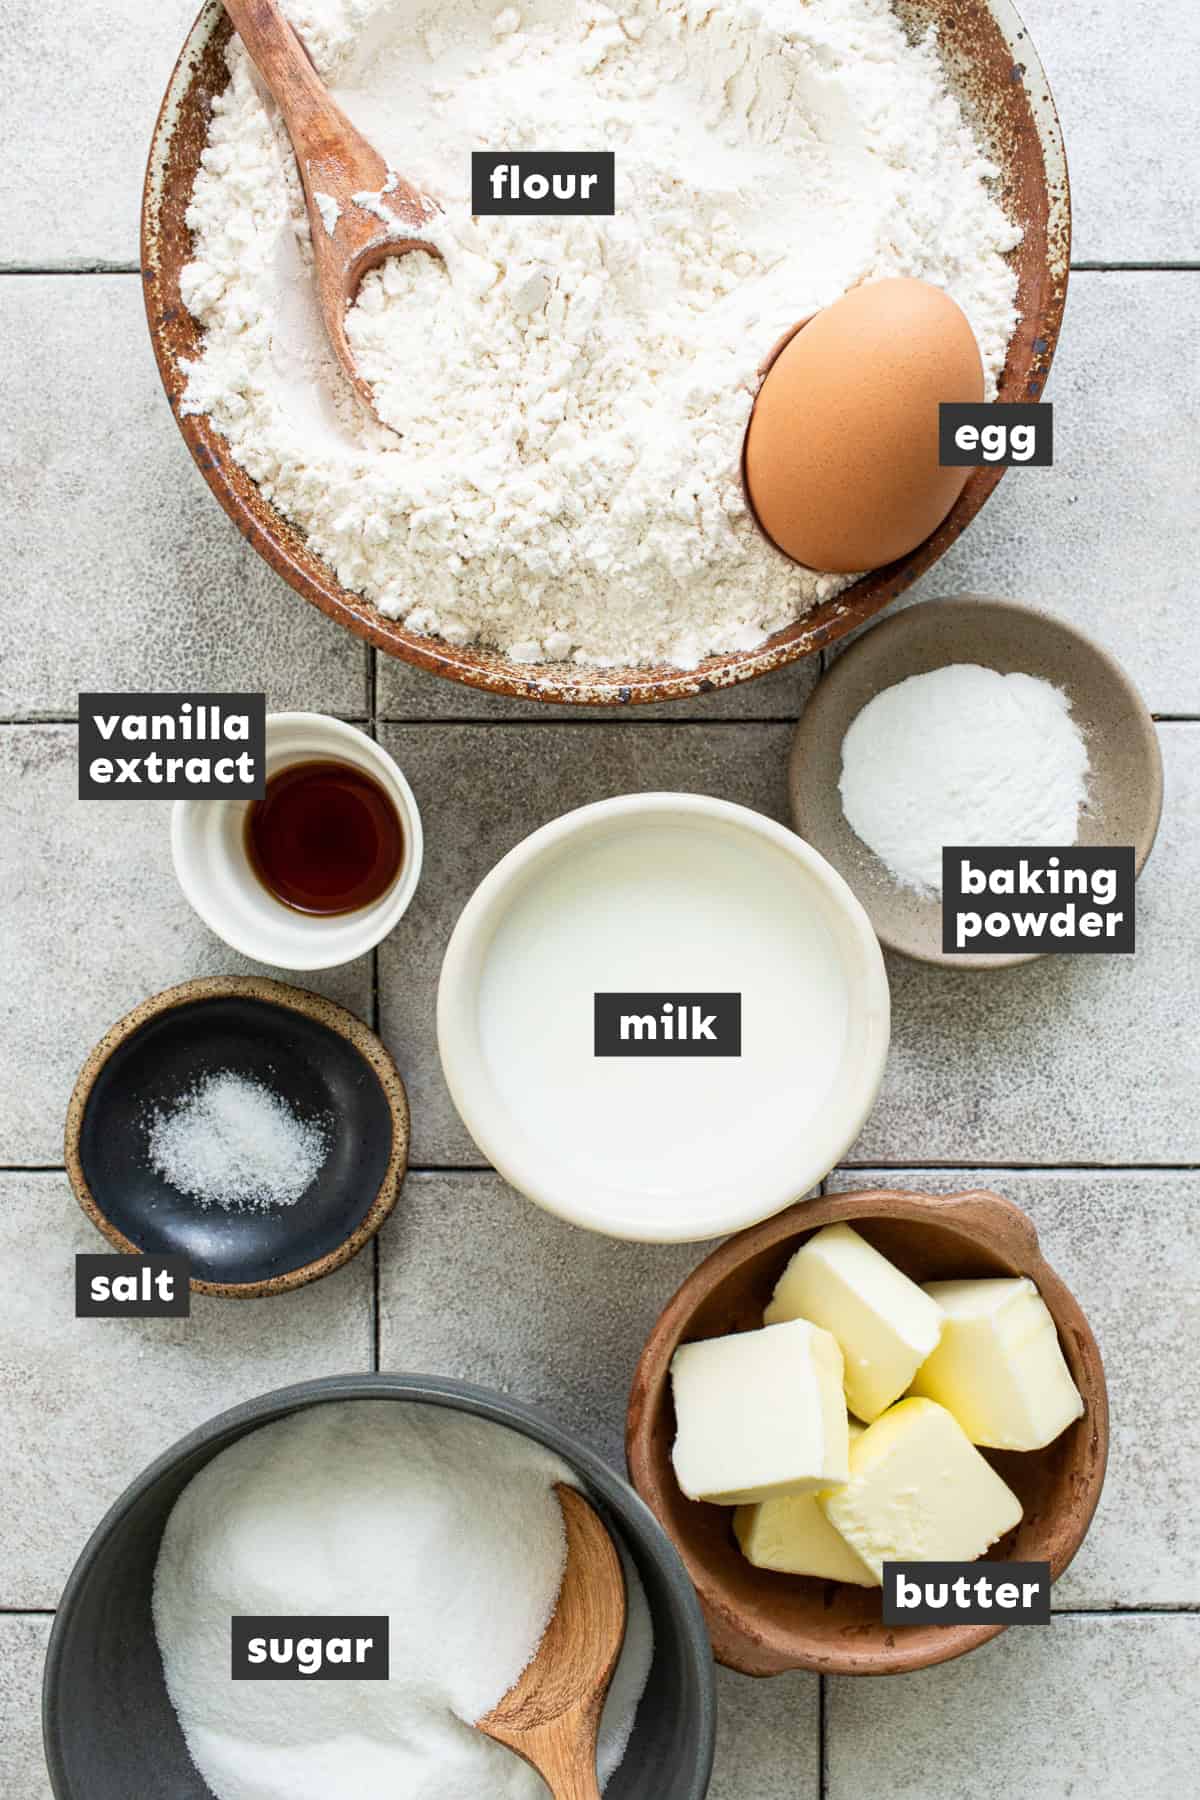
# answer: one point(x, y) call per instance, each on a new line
point(841, 459)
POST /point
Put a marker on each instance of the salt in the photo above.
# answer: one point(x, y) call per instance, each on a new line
point(446, 1523)
point(231, 1142)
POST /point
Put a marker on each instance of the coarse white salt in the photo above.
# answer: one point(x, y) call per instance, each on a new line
point(232, 1142)
point(447, 1524)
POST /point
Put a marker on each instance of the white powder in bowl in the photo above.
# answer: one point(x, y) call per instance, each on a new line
point(962, 755)
point(570, 394)
point(447, 1524)
point(231, 1142)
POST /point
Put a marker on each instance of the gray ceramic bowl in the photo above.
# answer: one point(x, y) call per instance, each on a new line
point(110, 1730)
point(1125, 786)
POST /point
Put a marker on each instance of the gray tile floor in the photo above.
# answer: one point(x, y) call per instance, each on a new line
point(1071, 1085)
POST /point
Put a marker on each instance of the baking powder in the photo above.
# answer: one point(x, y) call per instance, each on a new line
point(963, 756)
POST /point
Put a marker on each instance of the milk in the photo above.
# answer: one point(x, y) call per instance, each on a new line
point(654, 907)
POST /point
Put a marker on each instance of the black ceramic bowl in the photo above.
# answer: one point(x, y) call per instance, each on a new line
point(323, 1061)
point(110, 1730)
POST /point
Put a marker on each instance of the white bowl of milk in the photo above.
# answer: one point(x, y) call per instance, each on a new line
point(663, 1017)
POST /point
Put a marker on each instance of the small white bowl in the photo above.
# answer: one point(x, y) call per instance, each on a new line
point(208, 847)
point(664, 894)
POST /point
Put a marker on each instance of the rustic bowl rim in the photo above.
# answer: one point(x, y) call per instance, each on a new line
point(993, 1222)
point(273, 993)
point(580, 1200)
point(1033, 160)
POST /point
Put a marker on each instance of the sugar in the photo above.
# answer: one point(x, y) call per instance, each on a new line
point(446, 1523)
point(231, 1142)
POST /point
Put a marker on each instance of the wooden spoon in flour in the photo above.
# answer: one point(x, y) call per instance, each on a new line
point(359, 211)
point(552, 1716)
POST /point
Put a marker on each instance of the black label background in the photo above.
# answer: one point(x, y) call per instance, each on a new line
point(987, 858)
point(953, 413)
point(113, 1264)
point(243, 1627)
point(602, 163)
point(92, 745)
point(727, 1025)
point(1020, 1573)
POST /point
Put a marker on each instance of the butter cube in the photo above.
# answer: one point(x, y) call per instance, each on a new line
point(919, 1491)
point(793, 1537)
point(885, 1325)
point(759, 1414)
point(999, 1367)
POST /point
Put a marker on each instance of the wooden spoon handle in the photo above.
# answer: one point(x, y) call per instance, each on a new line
point(278, 53)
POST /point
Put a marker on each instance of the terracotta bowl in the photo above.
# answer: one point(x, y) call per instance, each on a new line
point(761, 1623)
point(995, 71)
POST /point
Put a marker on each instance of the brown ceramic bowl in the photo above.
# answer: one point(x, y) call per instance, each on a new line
point(762, 1623)
point(1125, 784)
point(322, 1061)
point(995, 71)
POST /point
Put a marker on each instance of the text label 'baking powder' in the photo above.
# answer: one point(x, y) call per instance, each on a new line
point(1000, 901)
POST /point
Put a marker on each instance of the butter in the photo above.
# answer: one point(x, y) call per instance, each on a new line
point(999, 1367)
point(886, 1326)
point(919, 1491)
point(759, 1415)
point(793, 1537)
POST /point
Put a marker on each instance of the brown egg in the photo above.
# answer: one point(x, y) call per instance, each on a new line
point(842, 448)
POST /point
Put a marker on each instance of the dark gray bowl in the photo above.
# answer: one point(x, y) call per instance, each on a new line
point(110, 1730)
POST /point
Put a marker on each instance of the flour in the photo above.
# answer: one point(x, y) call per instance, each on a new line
point(447, 1524)
point(569, 395)
point(962, 755)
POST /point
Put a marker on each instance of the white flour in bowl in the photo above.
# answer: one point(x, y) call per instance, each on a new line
point(446, 1523)
point(569, 395)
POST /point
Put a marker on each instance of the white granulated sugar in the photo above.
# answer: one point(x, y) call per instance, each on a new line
point(447, 1524)
point(571, 394)
point(962, 755)
point(231, 1142)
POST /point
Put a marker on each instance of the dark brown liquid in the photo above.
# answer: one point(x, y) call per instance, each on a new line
point(325, 838)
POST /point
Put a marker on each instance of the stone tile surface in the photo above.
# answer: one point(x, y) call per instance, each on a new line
point(1071, 1059)
point(481, 793)
point(22, 1652)
point(121, 571)
point(94, 922)
point(1104, 538)
point(477, 1282)
point(73, 196)
point(768, 1738)
point(1089, 1706)
point(1124, 79)
point(1128, 1247)
point(91, 1401)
